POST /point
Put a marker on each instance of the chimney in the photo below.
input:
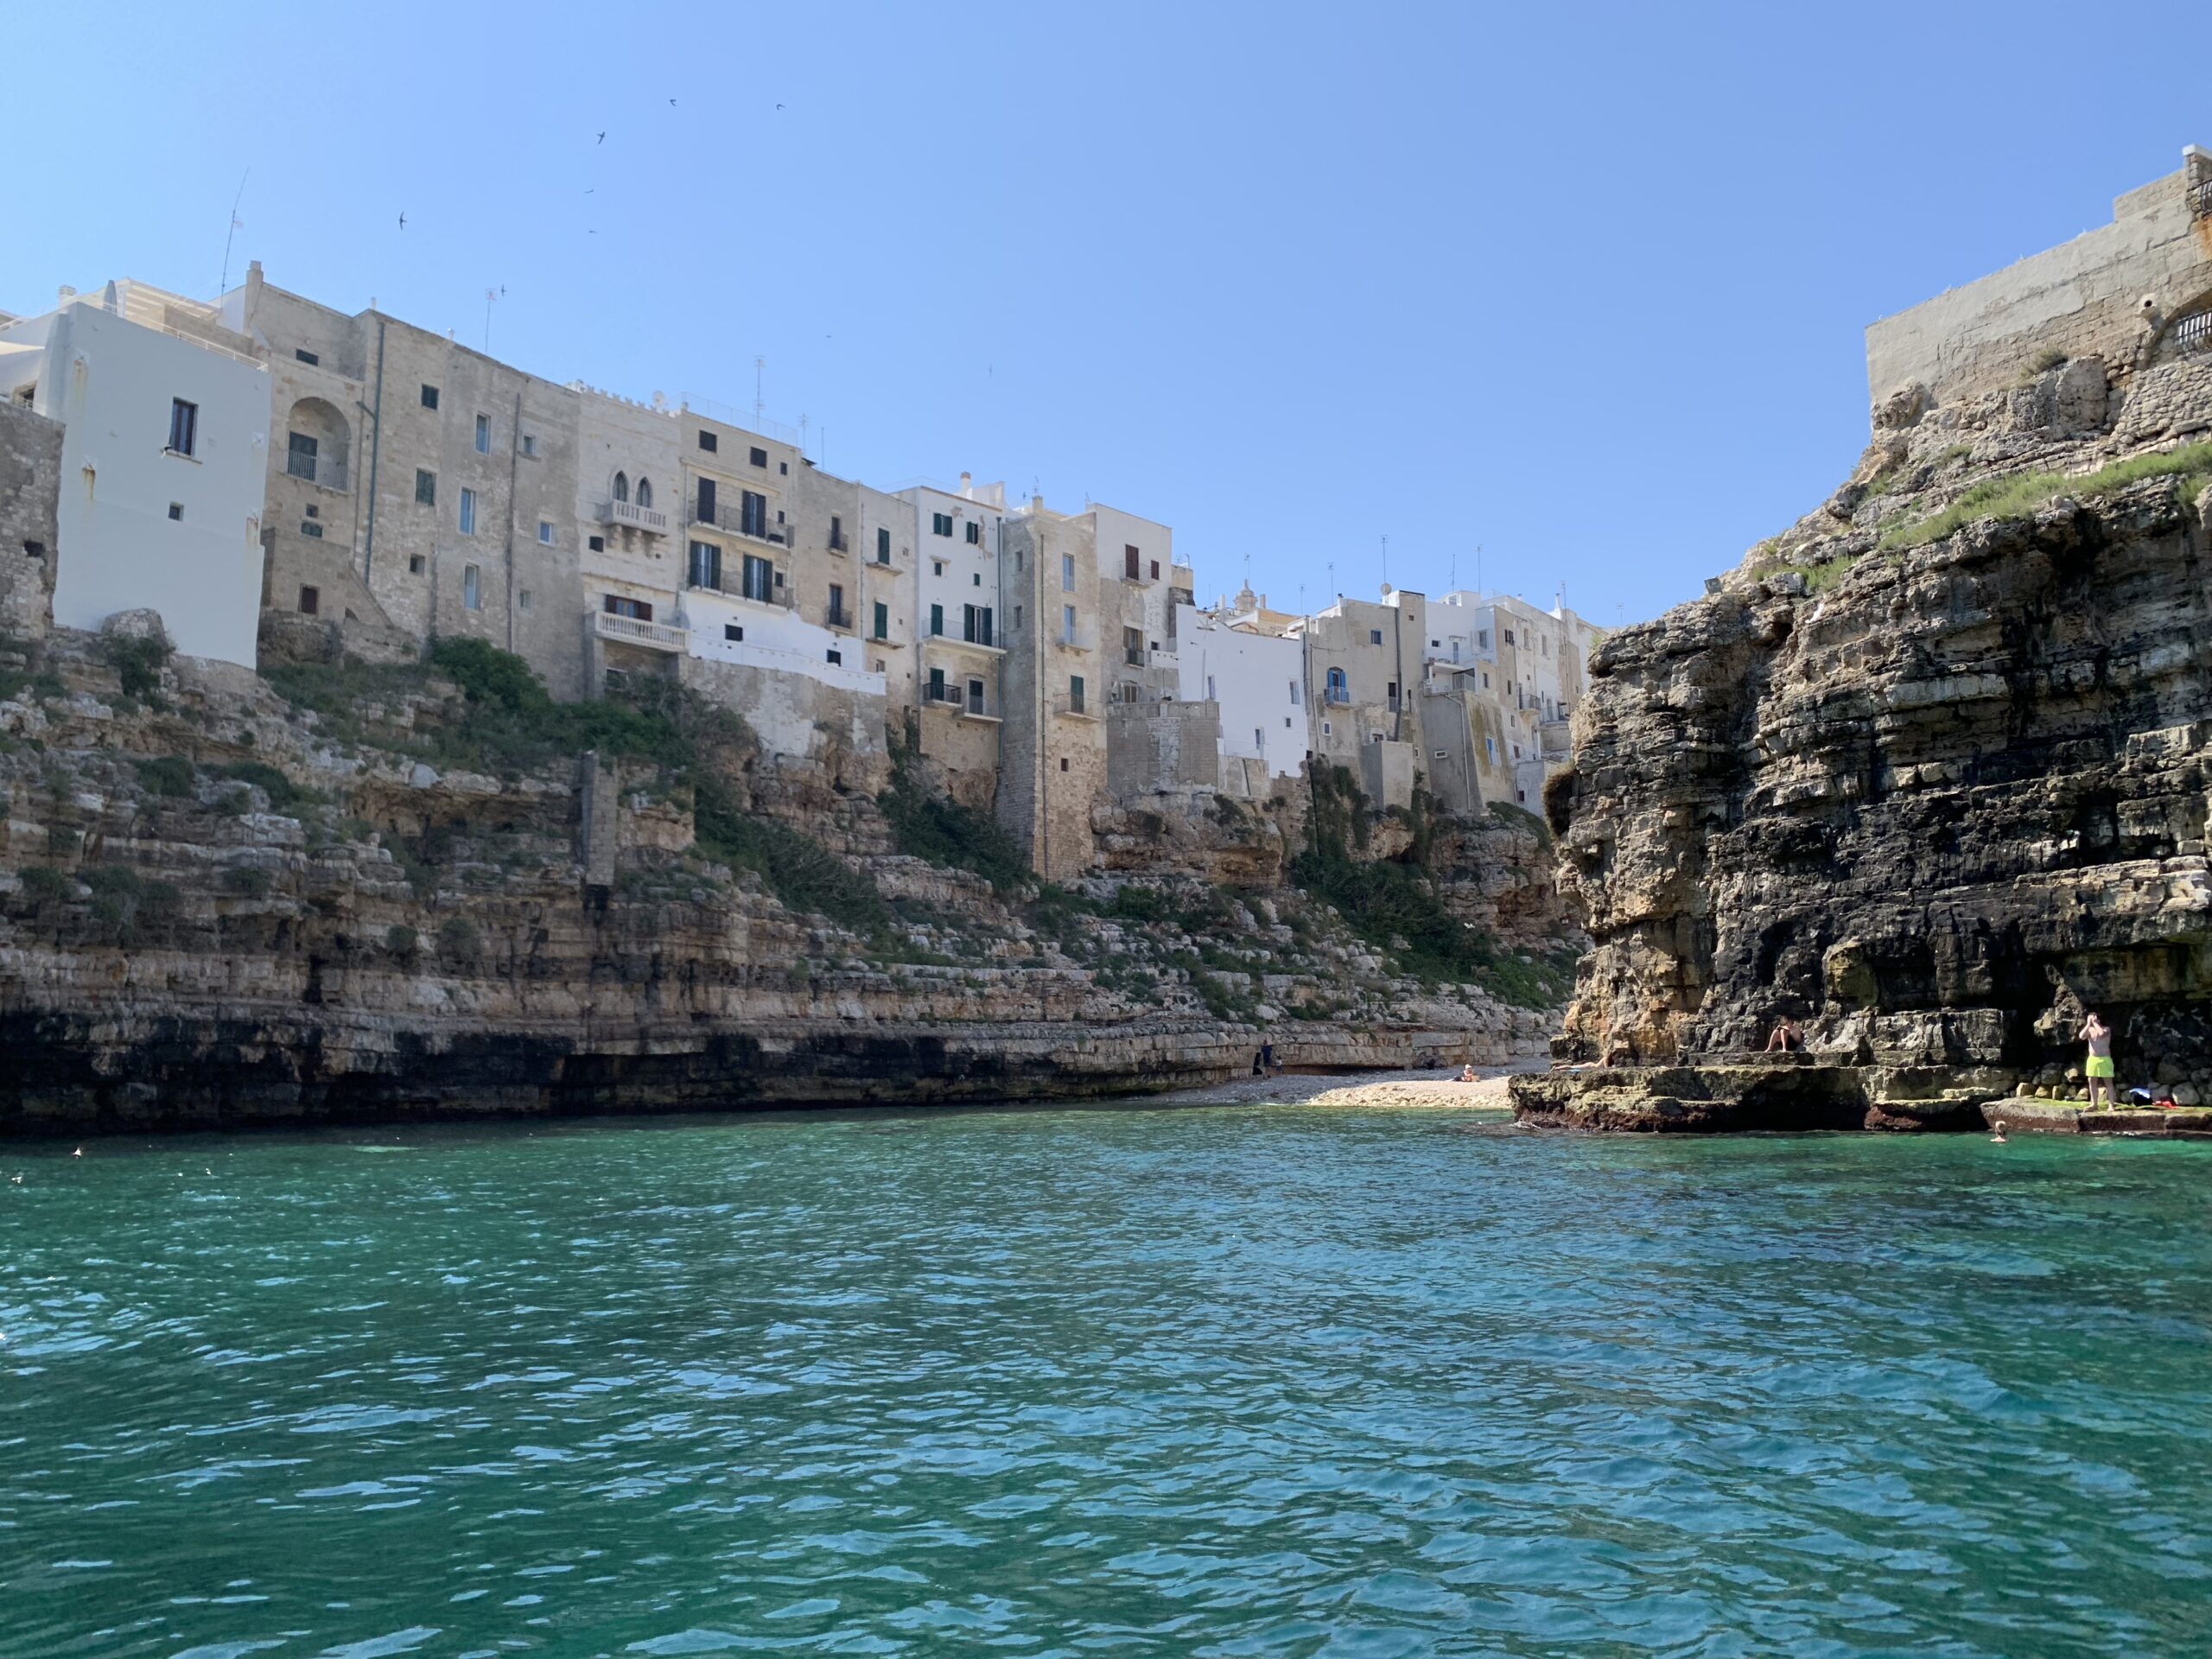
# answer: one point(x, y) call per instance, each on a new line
point(68, 294)
point(967, 485)
point(1036, 504)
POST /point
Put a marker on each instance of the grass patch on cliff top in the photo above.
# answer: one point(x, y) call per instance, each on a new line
point(2024, 493)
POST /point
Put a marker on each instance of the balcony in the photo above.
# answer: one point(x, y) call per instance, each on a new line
point(780, 598)
point(730, 520)
point(953, 699)
point(1083, 639)
point(955, 642)
point(627, 515)
point(629, 631)
point(325, 472)
point(1073, 707)
point(1337, 698)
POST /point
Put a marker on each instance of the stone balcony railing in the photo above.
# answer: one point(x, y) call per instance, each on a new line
point(325, 471)
point(627, 515)
point(631, 631)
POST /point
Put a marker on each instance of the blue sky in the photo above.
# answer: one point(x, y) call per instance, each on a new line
point(1582, 285)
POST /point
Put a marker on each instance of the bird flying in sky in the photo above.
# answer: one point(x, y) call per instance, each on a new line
point(402, 221)
point(602, 137)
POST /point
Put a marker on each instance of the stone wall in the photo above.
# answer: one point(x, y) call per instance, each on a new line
point(1151, 746)
point(800, 721)
point(2085, 298)
point(30, 479)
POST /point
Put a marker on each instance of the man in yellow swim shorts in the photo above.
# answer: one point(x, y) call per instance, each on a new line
point(2098, 1036)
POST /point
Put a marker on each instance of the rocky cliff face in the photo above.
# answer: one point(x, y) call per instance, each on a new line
point(217, 905)
point(1930, 772)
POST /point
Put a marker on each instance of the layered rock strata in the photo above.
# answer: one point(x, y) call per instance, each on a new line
point(1933, 785)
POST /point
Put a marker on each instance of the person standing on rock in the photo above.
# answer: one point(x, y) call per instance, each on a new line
point(2098, 1036)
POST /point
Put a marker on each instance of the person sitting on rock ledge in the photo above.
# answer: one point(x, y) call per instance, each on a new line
point(1467, 1074)
point(2098, 1036)
point(1787, 1039)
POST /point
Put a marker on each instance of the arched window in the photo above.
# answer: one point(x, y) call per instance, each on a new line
point(621, 486)
point(1338, 691)
point(644, 492)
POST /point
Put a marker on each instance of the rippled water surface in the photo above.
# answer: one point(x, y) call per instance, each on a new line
point(1248, 1380)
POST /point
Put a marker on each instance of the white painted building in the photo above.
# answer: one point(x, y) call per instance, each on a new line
point(958, 599)
point(725, 627)
point(1257, 679)
point(165, 419)
point(1531, 665)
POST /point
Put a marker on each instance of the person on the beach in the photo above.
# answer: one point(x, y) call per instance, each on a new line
point(2098, 1036)
point(1467, 1075)
point(1787, 1039)
point(1255, 1062)
point(1268, 1057)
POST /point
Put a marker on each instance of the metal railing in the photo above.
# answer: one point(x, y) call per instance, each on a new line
point(1066, 702)
point(631, 631)
point(2200, 197)
point(631, 516)
point(329, 472)
point(730, 519)
point(781, 598)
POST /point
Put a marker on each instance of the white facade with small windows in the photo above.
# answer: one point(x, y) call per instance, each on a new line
point(727, 628)
point(164, 452)
point(1257, 680)
point(1528, 668)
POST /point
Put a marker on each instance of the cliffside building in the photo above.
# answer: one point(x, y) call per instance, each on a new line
point(165, 416)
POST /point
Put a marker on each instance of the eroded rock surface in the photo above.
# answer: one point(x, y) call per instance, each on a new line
point(1933, 801)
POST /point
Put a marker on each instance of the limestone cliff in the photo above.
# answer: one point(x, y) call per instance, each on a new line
point(1929, 772)
point(379, 891)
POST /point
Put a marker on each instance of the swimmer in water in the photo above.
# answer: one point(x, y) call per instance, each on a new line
point(1998, 1137)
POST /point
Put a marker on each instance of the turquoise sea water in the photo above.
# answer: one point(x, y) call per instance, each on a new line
point(1236, 1381)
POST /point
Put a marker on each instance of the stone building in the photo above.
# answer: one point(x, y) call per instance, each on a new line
point(2128, 295)
point(1519, 672)
point(157, 486)
point(1053, 741)
point(1363, 663)
point(960, 644)
point(417, 488)
point(1255, 682)
point(30, 482)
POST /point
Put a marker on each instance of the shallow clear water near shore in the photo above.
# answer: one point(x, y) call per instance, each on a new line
point(1243, 1381)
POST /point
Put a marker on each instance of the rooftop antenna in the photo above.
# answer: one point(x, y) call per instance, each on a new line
point(490, 294)
point(1478, 571)
point(802, 432)
point(236, 224)
point(759, 363)
point(1386, 561)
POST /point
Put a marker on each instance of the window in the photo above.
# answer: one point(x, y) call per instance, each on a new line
point(975, 622)
point(1339, 691)
point(530, 446)
point(184, 427)
point(426, 488)
point(936, 567)
point(1517, 751)
point(176, 512)
point(706, 566)
point(472, 587)
point(706, 512)
point(882, 620)
point(836, 534)
point(524, 598)
point(1133, 646)
point(1375, 636)
point(759, 457)
point(936, 686)
point(300, 456)
point(1482, 639)
point(1063, 763)
point(1393, 694)
point(734, 632)
point(709, 443)
point(1211, 696)
point(483, 434)
point(309, 527)
point(645, 492)
point(638, 610)
point(785, 468)
point(1509, 636)
point(1067, 625)
point(1130, 562)
point(753, 514)
point(882, 546)
point(621, 486)
point(1327, 730)
point(936, 620)
point(1017, 616)
point(306, 357)
point(758, 580)
point(1155, 569)
point(975, 696)
point(837, 617)
point(1489, 744)
point(975, 533)
point(468, 512)
point(1294, 695)
point(975, 578)
point(1485, 679)
point(940, 524)
point(545, 532)
point(430, 397)
point(414, 564)
point(835, 656)
point(596, 543)
point(310, 601)
point(1067, 573)
point(1075, 694)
